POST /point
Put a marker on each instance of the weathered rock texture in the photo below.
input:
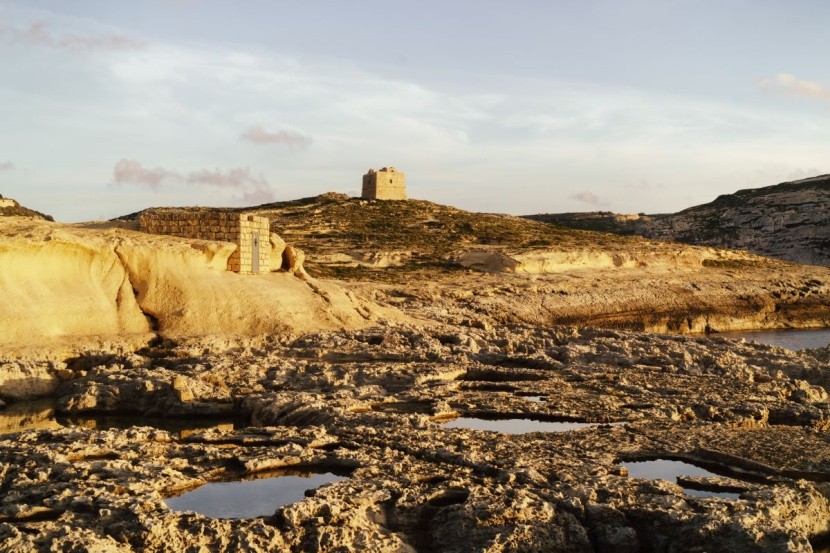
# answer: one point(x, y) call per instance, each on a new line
point(441, 263)
point(788, 221)
point(371, 403)
point(333, 382)
point(67, 281)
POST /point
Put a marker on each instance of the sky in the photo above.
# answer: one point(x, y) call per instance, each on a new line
point(523, 106)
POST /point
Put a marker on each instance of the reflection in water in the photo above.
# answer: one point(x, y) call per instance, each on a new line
point(183, 427)
point(250, 498)
point(790, 339)
point(665, 469)
point(26, 415)
point(534, 399)
point(40, 414)
point(705, 493)
point(518, 426)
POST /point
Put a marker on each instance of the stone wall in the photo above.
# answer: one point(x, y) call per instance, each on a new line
point(386, 184)
point(7, 202)
point(249, 232)
point(254, 235)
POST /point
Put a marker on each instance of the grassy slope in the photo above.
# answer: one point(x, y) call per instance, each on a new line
point(433, 233)
point(20, 211)
point(335, 223)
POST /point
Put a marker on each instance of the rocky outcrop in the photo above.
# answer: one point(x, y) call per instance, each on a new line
point(58, 281)
point(69, 289)
point(788, 221)
point(370, 404)
point(10, 208)
point(539, 261)
point(441, 263)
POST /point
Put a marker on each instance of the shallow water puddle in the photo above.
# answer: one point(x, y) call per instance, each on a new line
point(27, 415)
point(790, 339)
point(519, 426)
point(664, 469)
point(534, 399)
point(250, 498)
point(40, 415)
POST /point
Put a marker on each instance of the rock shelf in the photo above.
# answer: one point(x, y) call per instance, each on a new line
point(368, 401)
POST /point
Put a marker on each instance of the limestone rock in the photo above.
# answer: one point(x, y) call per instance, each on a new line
point(786, 221)
point(277, 249)
point(20, 379)
point(292, 261)
point(368, 403)
point(60, 281)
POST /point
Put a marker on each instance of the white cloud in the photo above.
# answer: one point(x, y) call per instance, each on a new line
point(790, 84)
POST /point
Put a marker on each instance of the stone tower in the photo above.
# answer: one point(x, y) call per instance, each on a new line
point(386, 184)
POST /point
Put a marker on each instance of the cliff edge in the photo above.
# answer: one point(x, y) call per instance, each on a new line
point(789, 221)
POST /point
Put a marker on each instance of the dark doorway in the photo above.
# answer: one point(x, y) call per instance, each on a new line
point(255, 254)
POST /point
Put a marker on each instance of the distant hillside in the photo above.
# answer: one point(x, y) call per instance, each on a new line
point(788, 221)
point(440, 263)
point(599, 221)
point(18, 210)
point(349, 237)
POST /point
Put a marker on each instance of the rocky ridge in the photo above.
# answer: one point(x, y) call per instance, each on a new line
point(788, 221)
point(72, 290)
point(441, 263)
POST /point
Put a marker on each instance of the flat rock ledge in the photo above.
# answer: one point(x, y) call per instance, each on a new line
point(372, 404)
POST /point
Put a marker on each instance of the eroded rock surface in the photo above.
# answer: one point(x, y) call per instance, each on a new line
point(441, 263)
point(62, 281)
point(788, 221)
point(372, 403)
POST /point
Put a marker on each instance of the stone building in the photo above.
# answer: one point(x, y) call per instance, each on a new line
point(249, 232)
point(7, 202)
point(386, 184)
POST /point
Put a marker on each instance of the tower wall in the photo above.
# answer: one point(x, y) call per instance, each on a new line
point(386, 184)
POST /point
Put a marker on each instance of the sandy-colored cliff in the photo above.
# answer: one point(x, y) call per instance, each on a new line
point(63, 281)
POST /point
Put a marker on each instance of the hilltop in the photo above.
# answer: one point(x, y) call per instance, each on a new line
point(17, 210)
point(445, 264)
point(387, 259)
point(787, 221)
point(354, 239)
